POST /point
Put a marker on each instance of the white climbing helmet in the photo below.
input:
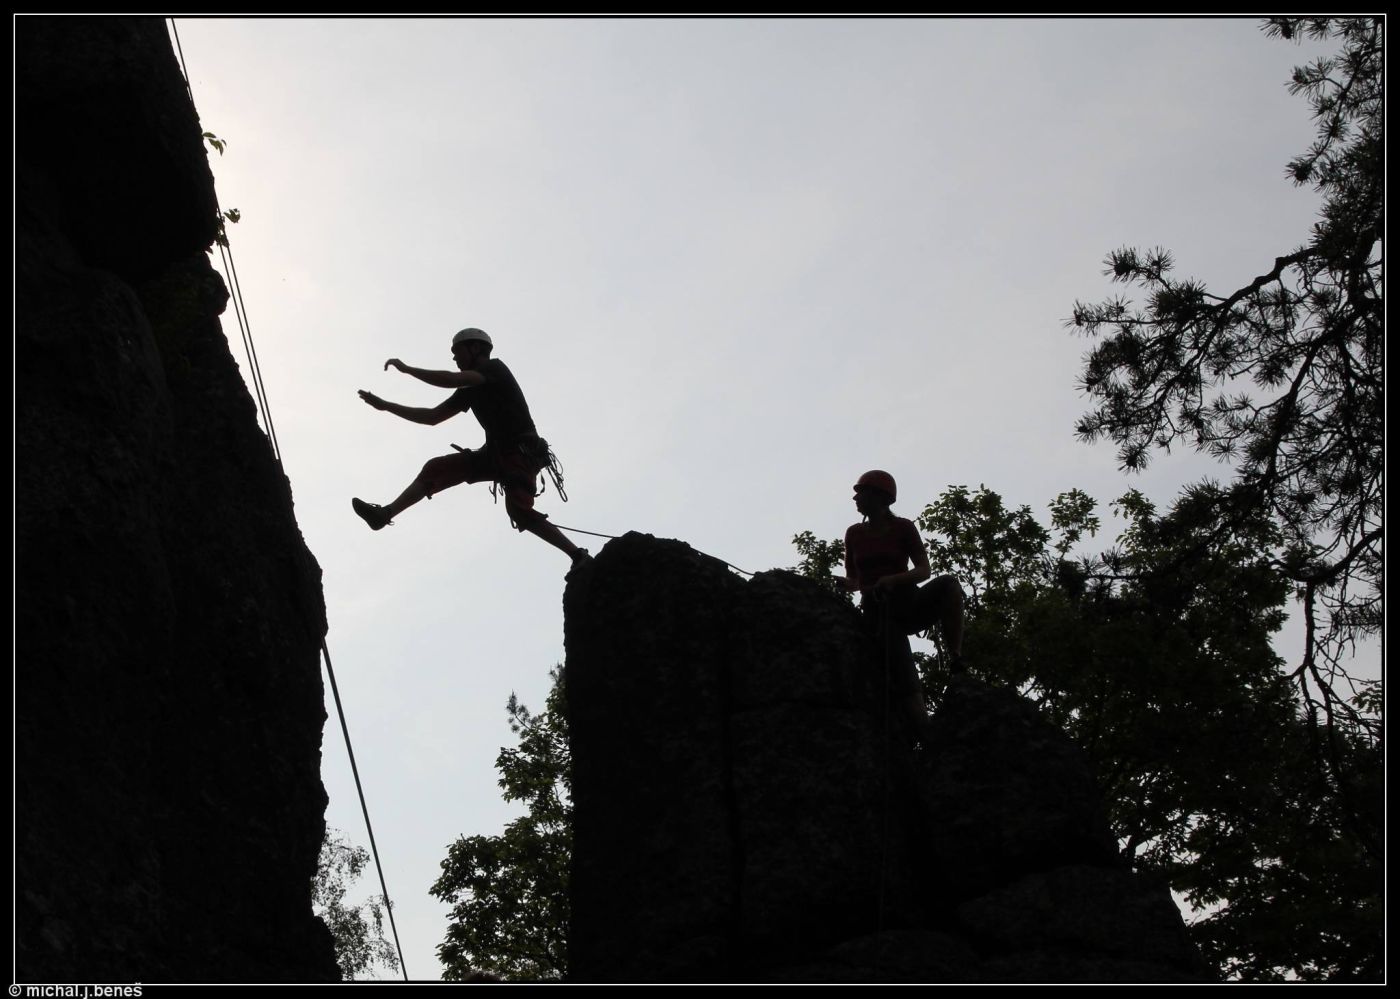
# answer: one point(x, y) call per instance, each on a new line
point(471, 333)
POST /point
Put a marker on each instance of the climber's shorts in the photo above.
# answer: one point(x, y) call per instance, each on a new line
point(913, 609)
point(513, 471)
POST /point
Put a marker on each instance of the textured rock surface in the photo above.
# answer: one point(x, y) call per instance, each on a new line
point(989, 747)
point(746, 808)
point(169, 807)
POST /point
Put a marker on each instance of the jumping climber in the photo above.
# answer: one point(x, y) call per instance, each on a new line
point(512, 456)
point(879, 551)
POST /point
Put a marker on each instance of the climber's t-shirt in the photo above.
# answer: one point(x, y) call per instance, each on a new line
point(873, 553)
point(499, 405)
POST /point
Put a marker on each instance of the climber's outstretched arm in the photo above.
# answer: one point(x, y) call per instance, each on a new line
point(440, 379)
point(416, 414)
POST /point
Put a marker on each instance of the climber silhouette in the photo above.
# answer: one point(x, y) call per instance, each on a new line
point(879, 551)
point(513, 455)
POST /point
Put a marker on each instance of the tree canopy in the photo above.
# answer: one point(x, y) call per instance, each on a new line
point(1156, 656)
point(1283, 376)
point(510, 893)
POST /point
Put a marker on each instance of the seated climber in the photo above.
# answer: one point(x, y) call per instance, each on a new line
point(512, 456)
point(879, 551)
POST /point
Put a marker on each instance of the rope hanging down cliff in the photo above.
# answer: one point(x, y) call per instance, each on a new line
point(265, 411)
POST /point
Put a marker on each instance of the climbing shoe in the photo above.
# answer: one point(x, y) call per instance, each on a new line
point(581, 557)
point(371, 513)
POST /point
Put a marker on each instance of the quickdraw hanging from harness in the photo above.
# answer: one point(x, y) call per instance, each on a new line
point(553, 468)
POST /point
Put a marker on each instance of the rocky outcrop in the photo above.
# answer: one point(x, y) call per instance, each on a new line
point(168, 802)
point(748, 808)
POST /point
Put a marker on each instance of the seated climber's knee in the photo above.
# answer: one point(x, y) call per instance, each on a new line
point(946, 588)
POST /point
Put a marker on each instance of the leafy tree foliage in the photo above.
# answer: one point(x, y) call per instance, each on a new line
point(822, 561)
point(510, 893)
point(358, 931)
point(1283, 376)
point(1155, 656)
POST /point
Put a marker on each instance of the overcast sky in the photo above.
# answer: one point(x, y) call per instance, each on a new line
point(732, 263)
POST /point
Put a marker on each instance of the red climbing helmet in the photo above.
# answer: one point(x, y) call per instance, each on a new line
point(876, 479)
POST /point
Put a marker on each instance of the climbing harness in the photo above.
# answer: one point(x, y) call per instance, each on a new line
point(540, 453)
point(265, 411)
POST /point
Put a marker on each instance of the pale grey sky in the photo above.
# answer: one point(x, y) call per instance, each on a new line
point(733, 264)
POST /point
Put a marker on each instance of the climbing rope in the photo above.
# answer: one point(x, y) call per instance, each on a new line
point(240, 311)
point(884, 628)
point(359, 788)
point(579, 530)
point(265, 411)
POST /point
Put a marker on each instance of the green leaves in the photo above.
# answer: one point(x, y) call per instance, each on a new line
point(510, 893)
point(822, 561)
point(231, 216)
point(1072, 514)
point(358, 931)
point(989, 548)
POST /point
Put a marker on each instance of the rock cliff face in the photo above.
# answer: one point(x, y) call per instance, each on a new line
point(746, 808)
point(168, 714)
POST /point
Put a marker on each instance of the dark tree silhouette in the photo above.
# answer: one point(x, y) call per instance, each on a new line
point(1284, 378)
point(510, 893)
point(1156, 657)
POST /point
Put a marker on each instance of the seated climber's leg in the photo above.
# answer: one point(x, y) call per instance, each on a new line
point(911, 691)
point(939, 602)
point(906, 692)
